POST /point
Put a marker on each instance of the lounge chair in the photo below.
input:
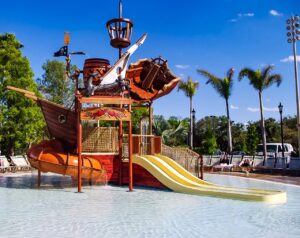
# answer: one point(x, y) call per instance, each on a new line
point(215, 160)
point(236, 160)
point(20, 163)
point(206, 160)
point(257, 162)
point(247, 159)
point(4, 165)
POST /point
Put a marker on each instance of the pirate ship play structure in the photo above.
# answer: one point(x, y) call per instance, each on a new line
point(110, 153)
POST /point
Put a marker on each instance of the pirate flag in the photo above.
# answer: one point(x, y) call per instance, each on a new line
point(63, 51)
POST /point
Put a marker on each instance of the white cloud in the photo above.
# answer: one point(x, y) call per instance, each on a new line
point(249, 14)
point(182, 66)
point(181, 75)
point(271, 109)
point(267, 109)
point(253, 109)
point(268, 100)
point(290, 59)
point(240, 15)
point(234, 107)
point(275, 13)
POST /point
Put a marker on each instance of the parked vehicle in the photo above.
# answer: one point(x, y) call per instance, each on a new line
point(275, 149)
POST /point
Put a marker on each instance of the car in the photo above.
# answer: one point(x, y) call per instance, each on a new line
point(238, 153)
point(275, 149)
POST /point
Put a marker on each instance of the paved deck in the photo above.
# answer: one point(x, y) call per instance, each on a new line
point(269, 177)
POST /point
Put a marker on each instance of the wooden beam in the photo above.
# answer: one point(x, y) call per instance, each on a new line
point(20, 90)
point(79, 147)
point(130, 153)
point(106, 100)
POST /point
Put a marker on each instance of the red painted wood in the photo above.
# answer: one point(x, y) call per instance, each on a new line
point(141, 177)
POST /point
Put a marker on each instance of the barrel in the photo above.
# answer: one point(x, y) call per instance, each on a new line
point(95, 65)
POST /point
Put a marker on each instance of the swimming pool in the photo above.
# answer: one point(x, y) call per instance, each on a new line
point(57, 210)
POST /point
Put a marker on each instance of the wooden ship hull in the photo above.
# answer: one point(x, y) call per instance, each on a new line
point(150, 79)
point(61, 122)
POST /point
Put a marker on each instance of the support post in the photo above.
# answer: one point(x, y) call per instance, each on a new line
point(200, 167)
point(150, 127)
point(79, 147)
point(120, 152)
point(130, 152)
point(39, 178)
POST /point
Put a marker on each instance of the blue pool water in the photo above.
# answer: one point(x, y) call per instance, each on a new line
point(57, 210)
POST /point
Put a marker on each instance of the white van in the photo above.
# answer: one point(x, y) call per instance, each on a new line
point(275, 149)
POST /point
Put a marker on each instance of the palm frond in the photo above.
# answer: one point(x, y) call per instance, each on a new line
point(275, 78)
point(230, 73)
point(223, 87)
point(254, 78)
point(189, 87)
point(266, 71)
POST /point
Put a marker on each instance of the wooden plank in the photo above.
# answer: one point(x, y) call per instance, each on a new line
point(106, 114)
point(20, 90)
point(105, 100)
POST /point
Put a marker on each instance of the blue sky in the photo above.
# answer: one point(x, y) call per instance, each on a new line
point(214, 35)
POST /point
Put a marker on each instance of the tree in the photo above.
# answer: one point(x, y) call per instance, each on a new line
point(260, 80)
point(159, 125)
point(239, 137)
point(272, 130)
point(53, 84)
point(177, 134)
point(252, 138)
point(21, 121)
point(136, 116)
point(290, 134)
point(224, 89)
point(190, 89)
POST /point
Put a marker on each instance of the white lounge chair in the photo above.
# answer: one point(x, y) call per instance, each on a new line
point(4, 165)
point(20, 162)
point(257, 162)
point(206, 160)
point(236, 160)
point(215, 160)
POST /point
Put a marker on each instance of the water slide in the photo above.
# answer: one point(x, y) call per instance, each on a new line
point(175, 177)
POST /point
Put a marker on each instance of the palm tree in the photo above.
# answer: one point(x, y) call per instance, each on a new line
point(224, 88)
point(260, 80)
point(177, 133)
point(189, 88)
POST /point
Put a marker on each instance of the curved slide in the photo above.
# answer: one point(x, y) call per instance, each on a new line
point(175, 177)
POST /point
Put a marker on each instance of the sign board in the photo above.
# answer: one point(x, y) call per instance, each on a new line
point(105, 114)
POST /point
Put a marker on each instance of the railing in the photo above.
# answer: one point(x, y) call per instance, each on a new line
point(146, 144)
point(183, 156)
point(142, 145)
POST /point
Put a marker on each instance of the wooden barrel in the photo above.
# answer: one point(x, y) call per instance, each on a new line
point(95, 65)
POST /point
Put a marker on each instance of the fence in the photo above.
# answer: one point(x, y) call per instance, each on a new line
point(183, 156)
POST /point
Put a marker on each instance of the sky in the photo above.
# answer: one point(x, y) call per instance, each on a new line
point(192, 34)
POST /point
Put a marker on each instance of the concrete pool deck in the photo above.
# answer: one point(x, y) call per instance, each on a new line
point(294, 180)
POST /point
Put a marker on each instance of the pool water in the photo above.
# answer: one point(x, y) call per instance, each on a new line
point(56, 210)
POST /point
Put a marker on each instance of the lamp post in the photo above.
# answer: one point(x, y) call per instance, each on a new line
point(193, 128)
point(280, 108)
point(293, 34)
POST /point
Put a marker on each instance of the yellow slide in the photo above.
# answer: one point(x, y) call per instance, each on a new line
point(175, 177)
